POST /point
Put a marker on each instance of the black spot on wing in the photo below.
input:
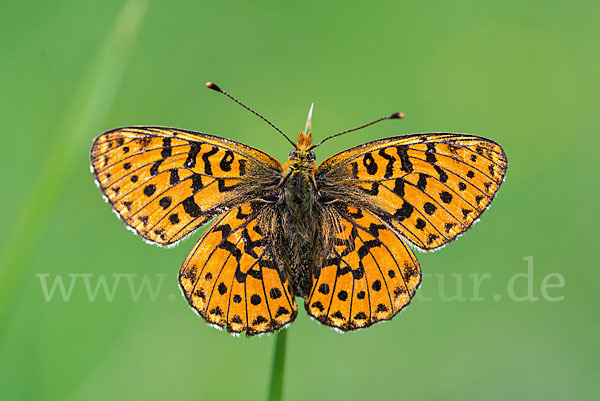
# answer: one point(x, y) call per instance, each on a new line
point(406, 165)
point(369, 163)
point(190, 161)
point(259, 320)
point(149, 190)
point(324, 289)
point(446, 197)
point(174, 176)
point(197, 183)
point(429, 208)
point(190, 207)
point(374, 190)
point(442, 174)
point(255, 299)
point(422, 182)
point(165, 202)
point(226, 161)
point(207, 165)
point(167, 149)
point(282, 311)
point(275, 293)
point(155, 166)
point(174, 218)
point(223, 187)
point(430, 153)
point(404, 212)
point(399, 187)
point(389, 168)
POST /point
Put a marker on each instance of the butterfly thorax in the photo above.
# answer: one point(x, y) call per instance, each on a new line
point(299, 215)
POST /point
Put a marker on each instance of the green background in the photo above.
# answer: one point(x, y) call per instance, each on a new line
point(524, 74)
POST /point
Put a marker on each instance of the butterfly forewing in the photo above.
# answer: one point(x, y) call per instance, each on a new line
point(165, 183)
point(369, 276)
point(429, 187)
point(231, 278)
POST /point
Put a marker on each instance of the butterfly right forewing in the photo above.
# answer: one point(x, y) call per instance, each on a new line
point(429, 187)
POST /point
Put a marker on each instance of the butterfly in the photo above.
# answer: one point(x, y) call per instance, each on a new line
point(340, 235)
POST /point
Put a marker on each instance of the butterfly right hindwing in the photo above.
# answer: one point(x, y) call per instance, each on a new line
point(369, 275)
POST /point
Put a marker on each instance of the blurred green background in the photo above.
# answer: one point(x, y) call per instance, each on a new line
point(522, 73)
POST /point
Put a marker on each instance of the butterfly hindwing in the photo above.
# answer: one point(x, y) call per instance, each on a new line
point(429, 187)
point(369, 276)
point(164, 182)
point(231, 279)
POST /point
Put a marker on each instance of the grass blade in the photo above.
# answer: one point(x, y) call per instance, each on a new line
point(276, 387)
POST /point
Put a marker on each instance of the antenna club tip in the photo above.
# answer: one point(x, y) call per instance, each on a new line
point(213, 86)
point(397, 115)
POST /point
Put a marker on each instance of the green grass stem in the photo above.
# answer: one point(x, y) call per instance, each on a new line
point(276, 387)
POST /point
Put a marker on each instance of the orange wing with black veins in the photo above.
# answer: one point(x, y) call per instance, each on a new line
point(369, 275)
point(231, 278)
point(165, 182)
point(429, 187)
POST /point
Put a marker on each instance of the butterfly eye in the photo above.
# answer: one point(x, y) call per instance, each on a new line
point(293, 153)
point(311, 155)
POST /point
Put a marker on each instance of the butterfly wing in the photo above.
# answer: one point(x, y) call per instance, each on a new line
point(369, 276)
point(231, 278)
point(428, 187)
point(164, 182)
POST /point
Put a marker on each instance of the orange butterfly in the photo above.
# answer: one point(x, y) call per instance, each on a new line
point(336, 235)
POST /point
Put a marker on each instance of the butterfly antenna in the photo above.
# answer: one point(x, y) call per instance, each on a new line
point(390, 117)
point(215, 87)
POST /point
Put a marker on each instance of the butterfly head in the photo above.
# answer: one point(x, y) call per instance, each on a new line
point(302, 155)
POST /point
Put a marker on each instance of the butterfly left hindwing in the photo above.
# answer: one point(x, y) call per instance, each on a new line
point(232, 279)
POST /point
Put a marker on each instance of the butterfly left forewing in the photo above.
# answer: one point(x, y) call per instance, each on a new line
point(429, 187)
point(231, 278)
point(165, 182)
point(369, 275)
